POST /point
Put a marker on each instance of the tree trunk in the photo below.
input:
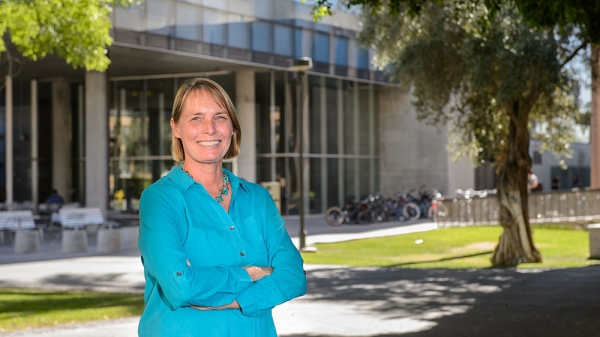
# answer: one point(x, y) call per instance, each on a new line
point(516, 243)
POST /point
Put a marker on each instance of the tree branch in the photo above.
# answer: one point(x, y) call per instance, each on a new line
point(575, 52)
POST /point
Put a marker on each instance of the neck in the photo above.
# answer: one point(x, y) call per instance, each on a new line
point(207, 175)
point(212, 178)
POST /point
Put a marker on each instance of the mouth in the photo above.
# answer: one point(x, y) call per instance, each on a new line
point(209, 143)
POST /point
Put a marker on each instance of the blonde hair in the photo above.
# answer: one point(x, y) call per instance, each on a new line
point(221, 98)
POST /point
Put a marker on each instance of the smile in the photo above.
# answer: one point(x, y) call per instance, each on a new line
point(211, 143)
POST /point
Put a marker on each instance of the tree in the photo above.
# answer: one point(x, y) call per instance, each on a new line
point(579, 14)
point(76, 30)
point(582, 14)
point(492, 75)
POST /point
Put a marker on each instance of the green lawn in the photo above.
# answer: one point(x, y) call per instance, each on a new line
point(461, 247)
point(465, 247)
point(25, 309)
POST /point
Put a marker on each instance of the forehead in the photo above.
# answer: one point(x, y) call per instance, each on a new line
point(203, 100)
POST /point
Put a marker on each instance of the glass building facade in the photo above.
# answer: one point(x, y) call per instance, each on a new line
point(161, 43)
point(342, 155)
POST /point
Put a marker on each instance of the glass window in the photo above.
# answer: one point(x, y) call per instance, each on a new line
point(160, 17)
point(364, 118)
point(333, 182)
point(364, 177)
point(124, 119)
point(350, 180)
point(263, 125)
point(238, 32)
point(160, 97)
point(292, 180)
point(315, 196)
point(373, 102)
point(279, 116)
point(350, 128)
point(341, 51)
point(362, 57)
point(187, 22)
point(302, 43)
point(315, 114)
point(214, 26)
point(321, 49)
point(332, 116)
point(298, 43)
point(21, 140)
point(125, 189)
point(283, 40)
point(261, 37)
point(263, 169)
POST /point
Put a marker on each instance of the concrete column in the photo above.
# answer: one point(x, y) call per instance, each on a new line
point(246, 109)
point(61, 138)
point(9, 139)
point(96, 140)
point(34, 144)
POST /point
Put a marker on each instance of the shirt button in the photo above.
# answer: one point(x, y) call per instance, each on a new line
point(178, 273)
point(231, 228)
point(242, 254)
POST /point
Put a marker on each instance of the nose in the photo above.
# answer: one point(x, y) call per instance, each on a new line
point(209, 127)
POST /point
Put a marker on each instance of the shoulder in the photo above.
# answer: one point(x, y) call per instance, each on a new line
point(163, 188)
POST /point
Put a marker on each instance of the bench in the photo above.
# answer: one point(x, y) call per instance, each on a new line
point(75, 240)
point(80, 217)
point(27, 239)
point(15, 220)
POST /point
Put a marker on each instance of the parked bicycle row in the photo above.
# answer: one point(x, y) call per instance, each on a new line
point(404, 206)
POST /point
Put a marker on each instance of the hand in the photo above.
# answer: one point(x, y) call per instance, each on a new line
point(256, 273)
point(232, 305)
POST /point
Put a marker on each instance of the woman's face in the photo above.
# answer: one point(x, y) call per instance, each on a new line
point(205, 128)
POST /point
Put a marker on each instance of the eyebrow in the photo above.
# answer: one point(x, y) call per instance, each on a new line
point(200, 113)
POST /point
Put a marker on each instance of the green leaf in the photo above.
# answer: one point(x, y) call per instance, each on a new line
point(76, 30)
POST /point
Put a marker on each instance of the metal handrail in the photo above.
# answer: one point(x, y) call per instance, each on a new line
point(544, 207)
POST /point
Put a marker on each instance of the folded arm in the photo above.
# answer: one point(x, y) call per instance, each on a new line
point(162, 224)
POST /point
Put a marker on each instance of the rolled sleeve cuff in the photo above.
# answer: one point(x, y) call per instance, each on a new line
point(248, 304)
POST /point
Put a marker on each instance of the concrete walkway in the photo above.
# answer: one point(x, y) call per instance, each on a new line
point(380, 302)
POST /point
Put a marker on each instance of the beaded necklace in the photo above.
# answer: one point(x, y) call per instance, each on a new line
point(222, 192)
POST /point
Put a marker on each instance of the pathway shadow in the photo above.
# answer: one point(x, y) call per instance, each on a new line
point(478, 302)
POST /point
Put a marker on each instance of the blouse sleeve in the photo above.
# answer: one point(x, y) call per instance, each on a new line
point(288, 279)
point(162, 214)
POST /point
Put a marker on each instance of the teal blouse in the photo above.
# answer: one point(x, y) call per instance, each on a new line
point(193, 252)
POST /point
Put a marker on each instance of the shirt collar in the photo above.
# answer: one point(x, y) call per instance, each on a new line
point(183, 180)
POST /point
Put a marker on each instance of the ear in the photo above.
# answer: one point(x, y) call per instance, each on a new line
point(174, 129)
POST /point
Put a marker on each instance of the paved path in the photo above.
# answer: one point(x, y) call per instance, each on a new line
point(379, 302)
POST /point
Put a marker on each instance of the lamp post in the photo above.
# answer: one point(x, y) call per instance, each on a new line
point(300, 66)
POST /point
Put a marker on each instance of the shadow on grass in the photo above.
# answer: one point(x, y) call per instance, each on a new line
point(22, 302)
point(25, 308)
point(440, 260)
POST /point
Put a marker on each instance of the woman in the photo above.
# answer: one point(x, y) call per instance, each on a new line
point(217, 257)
